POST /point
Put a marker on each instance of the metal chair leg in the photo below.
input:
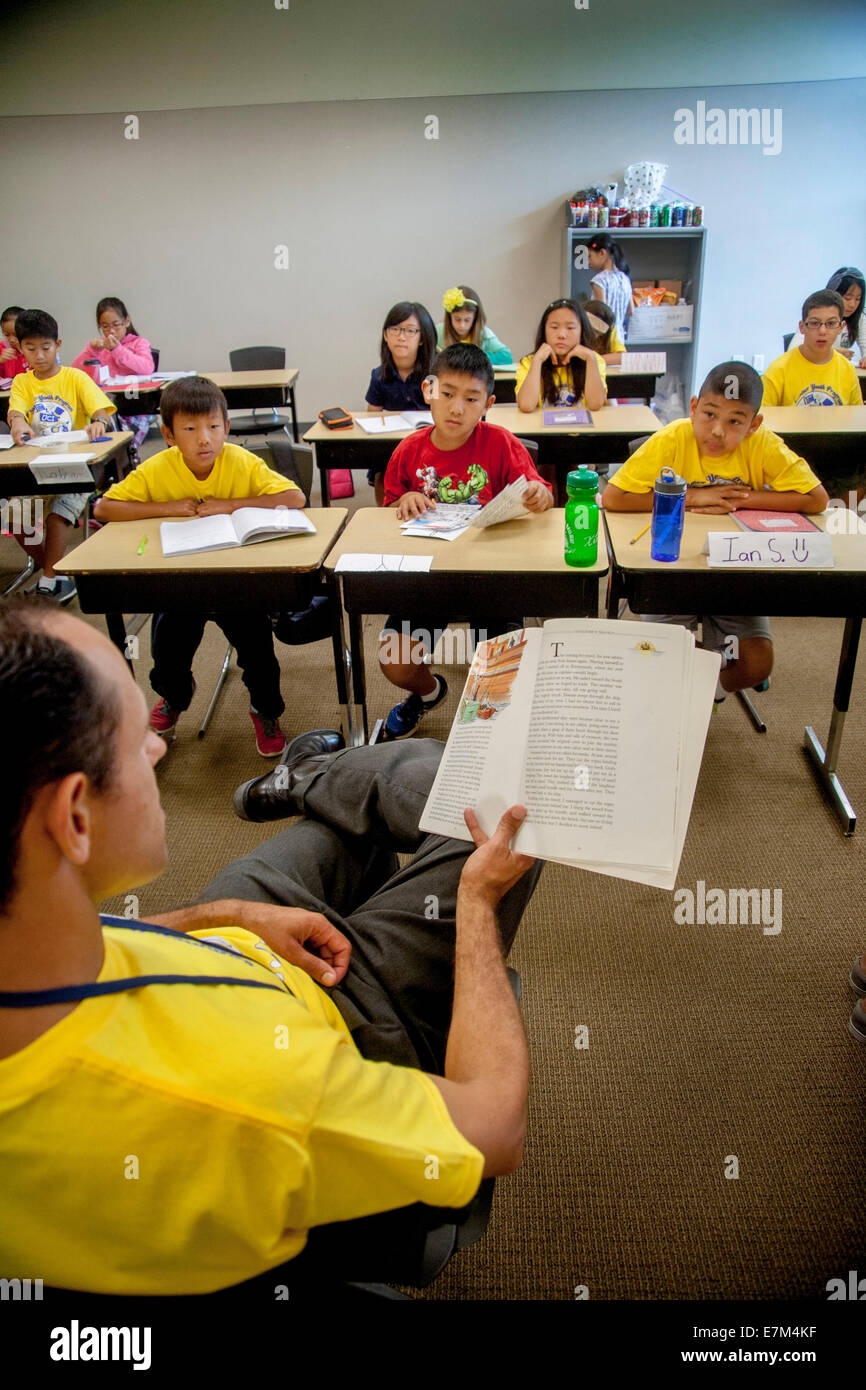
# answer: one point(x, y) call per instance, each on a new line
point(20, 577)
point(746, 701)
point(217, 691)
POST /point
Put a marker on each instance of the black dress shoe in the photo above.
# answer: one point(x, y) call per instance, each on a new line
point(274, 796)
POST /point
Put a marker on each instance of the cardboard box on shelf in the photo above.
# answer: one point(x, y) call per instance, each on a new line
point(651, 322)
point(675, 287)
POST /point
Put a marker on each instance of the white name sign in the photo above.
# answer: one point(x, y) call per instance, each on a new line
point(748, 550)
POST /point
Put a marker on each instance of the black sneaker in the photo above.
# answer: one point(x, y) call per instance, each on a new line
point(405, 718)
point(61, 589)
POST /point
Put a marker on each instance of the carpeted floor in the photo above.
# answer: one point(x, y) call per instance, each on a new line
point(711, 1049)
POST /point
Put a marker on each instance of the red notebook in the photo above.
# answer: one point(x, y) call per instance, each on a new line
point(749, 520)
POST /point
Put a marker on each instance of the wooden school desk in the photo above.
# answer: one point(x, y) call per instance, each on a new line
point(831, 438)
point(16, 479)
point(621, 382)
point(561, 447)
point(112, 578)
point(516, 567)
point(688, 585)
point(273, 386)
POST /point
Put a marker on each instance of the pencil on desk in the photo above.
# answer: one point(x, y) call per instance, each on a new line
point(640, 533)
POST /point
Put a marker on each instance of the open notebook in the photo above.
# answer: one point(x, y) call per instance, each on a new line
point(598, 728)
point(246, 526)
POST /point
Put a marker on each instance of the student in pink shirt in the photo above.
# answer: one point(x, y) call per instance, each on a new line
point(119, 348)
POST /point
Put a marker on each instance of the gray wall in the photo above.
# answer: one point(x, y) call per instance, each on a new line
point(182, 223)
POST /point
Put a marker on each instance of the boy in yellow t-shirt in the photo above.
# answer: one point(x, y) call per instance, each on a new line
point(729, 461)
point(201, 475)
point(50, 399)
point(814, 373)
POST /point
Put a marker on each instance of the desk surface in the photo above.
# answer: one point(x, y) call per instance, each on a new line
point(530, 546)
point(849, 551)
point(113, 550)
point(273, 376)
point(25, 453)
point(823, 419)
point(620, 419)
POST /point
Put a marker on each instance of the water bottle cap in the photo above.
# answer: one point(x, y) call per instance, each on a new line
point(582, 477)
point(670, 482)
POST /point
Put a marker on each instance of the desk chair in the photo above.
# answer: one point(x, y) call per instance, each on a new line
point(253, 359)
point(25, 572)
point(786, 341)
point(295, 462)
point(409, 1246)
point(743, 698)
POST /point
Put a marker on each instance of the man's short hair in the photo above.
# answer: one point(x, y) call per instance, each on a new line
point(736, 381)
point(36, 323)
point(821, 299)
point(191, 395)
point(467, 360)
point(58, 718)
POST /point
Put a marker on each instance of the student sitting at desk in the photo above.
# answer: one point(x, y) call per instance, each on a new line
point(466, 322)
point(728, 460)
point(199, 474)
point(458, 459)
point(406, 350)
point(563, 370)
point(12, 359)
point(122, 352)
point(851, 342)
point(605, 339)
point(814, 373)
point(50, 399)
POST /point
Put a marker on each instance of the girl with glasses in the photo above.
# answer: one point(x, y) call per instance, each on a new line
point(406, 352)
point(123, 352)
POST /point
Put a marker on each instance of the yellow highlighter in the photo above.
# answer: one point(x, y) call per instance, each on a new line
point(141, 544)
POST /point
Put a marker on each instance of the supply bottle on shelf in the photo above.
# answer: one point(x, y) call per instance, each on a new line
point(669, 510)
point(581, 517)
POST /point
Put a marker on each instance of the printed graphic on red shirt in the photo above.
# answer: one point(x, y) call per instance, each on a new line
point(449, 489)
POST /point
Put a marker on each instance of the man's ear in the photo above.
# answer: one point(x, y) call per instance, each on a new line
point(68, 816)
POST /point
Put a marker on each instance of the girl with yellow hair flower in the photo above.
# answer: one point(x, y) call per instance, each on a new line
point(466, 322)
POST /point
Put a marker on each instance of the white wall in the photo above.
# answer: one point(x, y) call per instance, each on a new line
point(182, 222)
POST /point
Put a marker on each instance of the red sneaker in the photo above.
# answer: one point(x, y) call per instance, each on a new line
point(163, 718)
point(269, 735)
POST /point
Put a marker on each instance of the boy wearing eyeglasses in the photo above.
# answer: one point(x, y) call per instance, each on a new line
point(813, 373)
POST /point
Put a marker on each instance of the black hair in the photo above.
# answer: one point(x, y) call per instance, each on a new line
point(426, 343)
point(64, 717)
point(35, 323)
point(736, 381)
point(577, 365)
point(841, 281)
point(119, 308)
point(11, 313)
point(823, 299)
point(449, 335)
point(191, 395)
point(467, 360)
point(599, 342)
point(603, 242)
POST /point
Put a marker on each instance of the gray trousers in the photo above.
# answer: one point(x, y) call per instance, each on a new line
point(360, 807)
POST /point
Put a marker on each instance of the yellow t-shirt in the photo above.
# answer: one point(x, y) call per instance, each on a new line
point(165, 478)
point(616, 342)
point(562, 379)
point(179, 1138)
point(792, 380)
point(66, 401)
point(761, 458)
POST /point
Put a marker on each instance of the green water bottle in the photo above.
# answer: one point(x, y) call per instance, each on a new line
point(581, 518)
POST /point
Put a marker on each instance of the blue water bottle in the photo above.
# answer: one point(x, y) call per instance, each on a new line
point(669, 510)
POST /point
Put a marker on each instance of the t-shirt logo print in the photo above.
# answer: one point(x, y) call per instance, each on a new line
point(51, 416)
point(818, 394)
point(448, 489)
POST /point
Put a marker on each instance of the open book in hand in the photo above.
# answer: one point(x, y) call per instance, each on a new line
point(246, 526)
point(597, 728)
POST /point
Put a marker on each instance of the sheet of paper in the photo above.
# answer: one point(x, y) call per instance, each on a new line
point(170, 376)
point(197, 535)
point(650, 362)
point(417, 418)
point(383, 424)
point(505, 506)
point(51, 469)
point(364, 563)
point(6, 441)
point(777, 550)
point(128, 380)
point(52, 441)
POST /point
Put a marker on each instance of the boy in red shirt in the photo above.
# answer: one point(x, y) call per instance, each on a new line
point(458, 459)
